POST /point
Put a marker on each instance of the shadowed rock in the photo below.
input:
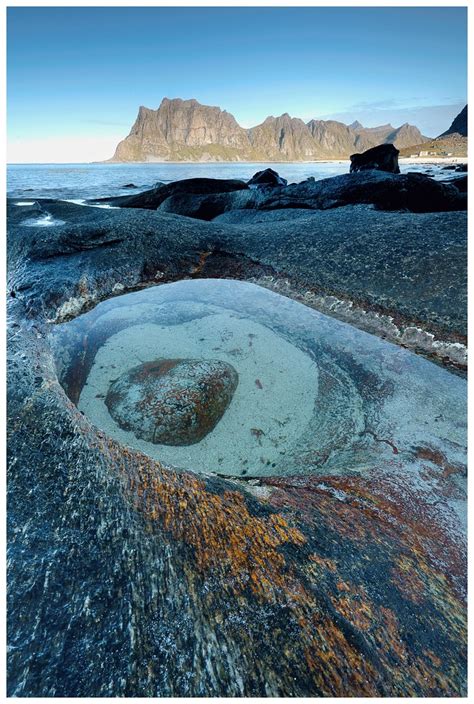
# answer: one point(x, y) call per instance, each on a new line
point(458, 125)
point(268, 177)
point(460, 183)
point(154, 197)
point(172, 401)
point(386, 191)
point(207, 207)
point(384, 157)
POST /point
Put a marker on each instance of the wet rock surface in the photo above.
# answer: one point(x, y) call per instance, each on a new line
point(172, 401)
point(127, 578)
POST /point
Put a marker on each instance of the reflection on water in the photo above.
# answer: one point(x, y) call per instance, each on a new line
point(313, 394)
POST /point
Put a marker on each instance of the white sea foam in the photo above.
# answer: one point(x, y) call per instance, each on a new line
point(81, 201)
point(45, 220)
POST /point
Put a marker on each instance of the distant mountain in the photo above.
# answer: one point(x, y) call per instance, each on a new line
point(453, 142)
point(185, 130)
point(458, 125)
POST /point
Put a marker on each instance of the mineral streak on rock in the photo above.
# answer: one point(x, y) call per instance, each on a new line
point(172, 401)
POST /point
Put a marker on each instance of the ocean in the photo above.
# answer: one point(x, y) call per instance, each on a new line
point(80, 181)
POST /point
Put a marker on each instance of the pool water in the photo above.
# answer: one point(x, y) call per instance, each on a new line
point(314, 395)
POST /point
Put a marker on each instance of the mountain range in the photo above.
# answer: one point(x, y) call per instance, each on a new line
point(185, 130)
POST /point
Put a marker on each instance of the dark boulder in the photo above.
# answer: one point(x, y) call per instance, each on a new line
point(384, 157)
point(129, 185)
point(268, 177)
point(153, 198)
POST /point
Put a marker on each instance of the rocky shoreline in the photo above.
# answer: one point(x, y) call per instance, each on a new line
point(145, 581)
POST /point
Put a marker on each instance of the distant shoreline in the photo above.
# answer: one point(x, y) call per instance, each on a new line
point(404, 160)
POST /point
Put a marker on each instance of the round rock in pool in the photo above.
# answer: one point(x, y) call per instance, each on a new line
point(172, 401)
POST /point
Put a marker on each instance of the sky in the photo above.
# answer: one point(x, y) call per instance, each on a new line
point(77, 75)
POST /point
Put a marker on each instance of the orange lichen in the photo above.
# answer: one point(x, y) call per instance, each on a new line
point(352, 644)
point(406, 576)
point(327, 648)
point(219, 528)
point(323, 562)
point(355, 607)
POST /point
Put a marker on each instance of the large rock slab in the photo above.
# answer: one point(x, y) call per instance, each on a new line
point(172, 401)
point(414, 192)
point(366, 266)
point(385, 191)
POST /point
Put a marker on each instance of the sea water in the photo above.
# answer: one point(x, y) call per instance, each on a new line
point(80, 181)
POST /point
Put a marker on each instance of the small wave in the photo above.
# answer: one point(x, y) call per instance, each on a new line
point(80, 201)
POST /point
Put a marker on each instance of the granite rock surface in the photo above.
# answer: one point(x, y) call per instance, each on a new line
point(128, 578)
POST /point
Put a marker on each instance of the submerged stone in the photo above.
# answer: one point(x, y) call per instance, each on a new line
point(172, 401)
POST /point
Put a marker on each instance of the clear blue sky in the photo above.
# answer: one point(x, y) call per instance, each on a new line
point(82, 72)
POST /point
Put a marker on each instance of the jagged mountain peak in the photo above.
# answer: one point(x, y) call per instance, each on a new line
point(458, 125)
point(186, 130)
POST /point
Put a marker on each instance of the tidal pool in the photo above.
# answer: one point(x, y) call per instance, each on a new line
point(311, 394)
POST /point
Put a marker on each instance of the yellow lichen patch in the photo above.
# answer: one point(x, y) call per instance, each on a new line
point(434, 659)
point(343, 586)
point(350, 643)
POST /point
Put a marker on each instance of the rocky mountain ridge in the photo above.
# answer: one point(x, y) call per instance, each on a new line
point(452, 143)
point(185, 130)
point(458, 125)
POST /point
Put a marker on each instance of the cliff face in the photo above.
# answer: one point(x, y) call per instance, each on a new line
point(458, 125)
point(185, 130)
